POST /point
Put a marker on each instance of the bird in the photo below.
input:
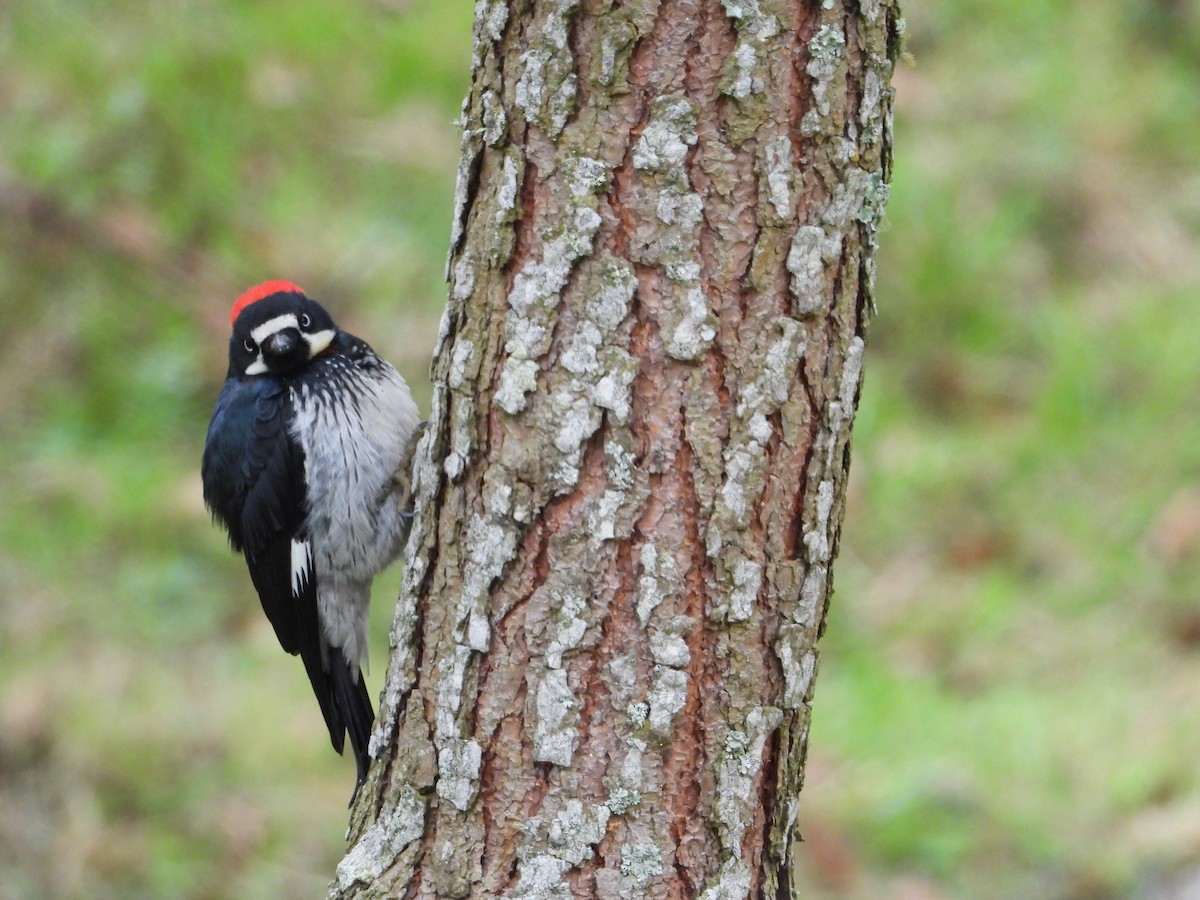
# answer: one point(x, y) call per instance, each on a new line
point(305, 466)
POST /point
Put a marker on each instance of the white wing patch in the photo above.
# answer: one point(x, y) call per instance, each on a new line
point(301, 565)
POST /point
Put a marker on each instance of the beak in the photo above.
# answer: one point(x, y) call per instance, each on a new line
point(281, 343)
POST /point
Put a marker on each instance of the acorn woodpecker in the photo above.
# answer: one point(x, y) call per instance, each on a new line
point(305, 466)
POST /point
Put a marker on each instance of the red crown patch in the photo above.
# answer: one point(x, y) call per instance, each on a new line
point(258, 292)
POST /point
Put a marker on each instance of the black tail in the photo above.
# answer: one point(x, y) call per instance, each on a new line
point(352, 706)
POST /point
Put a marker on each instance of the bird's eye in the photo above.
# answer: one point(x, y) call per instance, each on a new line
point(305, 320)
point(250, 346)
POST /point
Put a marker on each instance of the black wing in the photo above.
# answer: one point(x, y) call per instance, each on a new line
point(272, 518)
point(254, 483)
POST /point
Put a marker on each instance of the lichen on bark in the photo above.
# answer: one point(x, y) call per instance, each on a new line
point(631, 487)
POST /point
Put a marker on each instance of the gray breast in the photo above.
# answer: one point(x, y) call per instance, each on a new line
point(354, 421)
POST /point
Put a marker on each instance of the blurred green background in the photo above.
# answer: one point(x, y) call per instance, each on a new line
point(1009, 702)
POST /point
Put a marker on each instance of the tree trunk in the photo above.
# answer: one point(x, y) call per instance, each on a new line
point(631, 487)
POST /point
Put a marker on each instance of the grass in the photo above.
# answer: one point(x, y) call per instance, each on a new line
point(1006, 699)
point(1001, 710)
point(153, 741)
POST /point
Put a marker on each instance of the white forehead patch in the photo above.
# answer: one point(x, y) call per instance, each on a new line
point(269, 327)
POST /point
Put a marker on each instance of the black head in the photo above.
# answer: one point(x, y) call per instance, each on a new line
point(277, 330)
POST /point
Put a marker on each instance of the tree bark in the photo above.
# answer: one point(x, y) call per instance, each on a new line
point(631, 488)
